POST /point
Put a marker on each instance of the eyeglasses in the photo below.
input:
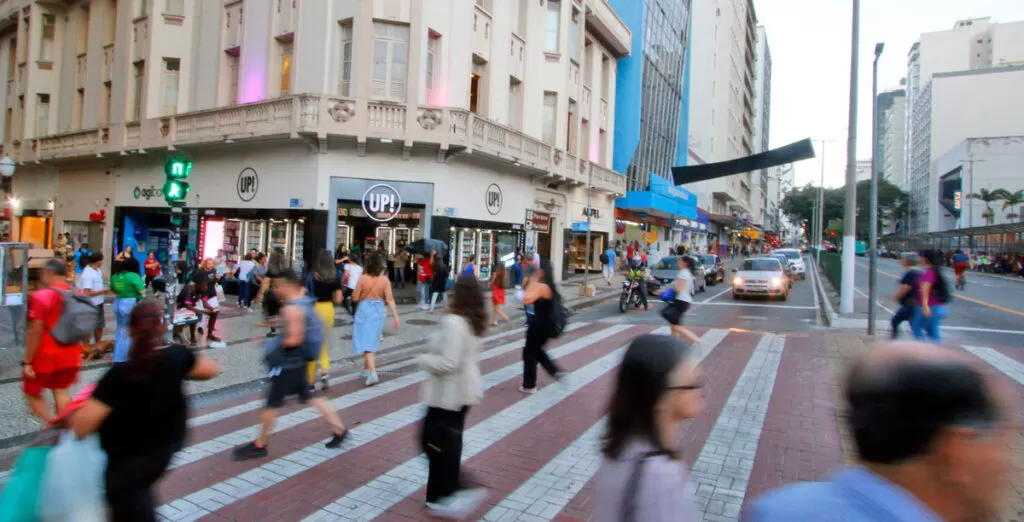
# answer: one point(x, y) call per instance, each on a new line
point(687, 387)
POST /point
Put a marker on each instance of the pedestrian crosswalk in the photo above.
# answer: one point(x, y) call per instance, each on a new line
point(537, 454)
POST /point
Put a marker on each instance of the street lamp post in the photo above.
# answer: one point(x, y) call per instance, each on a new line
point(873, 227)
point(821, 207)
point(7, 167)
point(850, 212)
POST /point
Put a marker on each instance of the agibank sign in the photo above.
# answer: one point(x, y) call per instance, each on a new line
point(147, 193)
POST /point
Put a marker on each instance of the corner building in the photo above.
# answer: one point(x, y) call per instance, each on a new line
point(315, 123)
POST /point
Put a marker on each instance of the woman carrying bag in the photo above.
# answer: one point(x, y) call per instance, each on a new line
point(679, 298)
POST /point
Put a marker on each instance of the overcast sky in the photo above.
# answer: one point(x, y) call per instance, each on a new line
point(810, 49)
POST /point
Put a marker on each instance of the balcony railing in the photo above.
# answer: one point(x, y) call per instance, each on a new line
point(316, 115)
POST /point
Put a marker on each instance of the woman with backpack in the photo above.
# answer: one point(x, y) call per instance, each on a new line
point(934, 296)
point(543, 295)
point(372, 294)
point(327, 292)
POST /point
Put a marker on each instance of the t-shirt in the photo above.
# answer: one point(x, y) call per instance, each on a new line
point(220, 266)
point(324, 292)
point(127, 285)
point(424, 271)
point(611, 257)
point(960, 259)
point(257, 270)
point(210, 278)
point(244, 268)
point(46, 305)
point(148, 413)
point(470, 269)
point(354, 271)
point(92, 279)
point(910, 278)
point(687, 294)
point(152, 267)
point(929, 276)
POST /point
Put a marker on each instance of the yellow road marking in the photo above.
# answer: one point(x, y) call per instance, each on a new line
point(964, 297)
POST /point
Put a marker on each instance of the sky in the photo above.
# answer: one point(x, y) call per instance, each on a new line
point(809, 41)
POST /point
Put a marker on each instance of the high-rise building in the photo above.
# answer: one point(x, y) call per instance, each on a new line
point(762, 122)
point(316, 124)
point(892, 129)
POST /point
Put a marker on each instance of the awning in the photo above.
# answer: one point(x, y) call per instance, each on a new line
point(663, 200)
point(791, 153)
point(626, 215)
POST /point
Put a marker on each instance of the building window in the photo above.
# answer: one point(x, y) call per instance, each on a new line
point(43, 115)
point(574, 36)
point(46, 44)
point(172, 68)
point(233, 80)
point(550, 112)
point(286, 68)
point(345, 85)
point(12, 58)
point(570, 127)
point(433, 48)
point(140, 74)
point(390, 61)
point(78, 109)
point(553, 27)
point(175, 7)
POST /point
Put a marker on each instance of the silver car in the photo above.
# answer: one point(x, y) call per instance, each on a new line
point(760, 276)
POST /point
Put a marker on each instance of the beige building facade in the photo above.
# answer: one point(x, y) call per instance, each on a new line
point(488, 122)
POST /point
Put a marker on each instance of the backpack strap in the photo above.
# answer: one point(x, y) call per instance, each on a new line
point(633, 486)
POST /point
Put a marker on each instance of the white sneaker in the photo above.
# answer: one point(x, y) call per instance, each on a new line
point(460, 505)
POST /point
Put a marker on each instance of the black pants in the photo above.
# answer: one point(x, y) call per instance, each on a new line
point(903, 314)
point(534, 353)
point(441, 440)
point(129, 484)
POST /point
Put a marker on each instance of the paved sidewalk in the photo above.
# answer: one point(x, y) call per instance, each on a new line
point(242, 359)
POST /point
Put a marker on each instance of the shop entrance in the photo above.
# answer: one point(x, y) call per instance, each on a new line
point(355, 230)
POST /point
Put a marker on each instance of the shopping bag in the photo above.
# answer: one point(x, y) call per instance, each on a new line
point(219, 291)
point(20, 500)
point(72, 487)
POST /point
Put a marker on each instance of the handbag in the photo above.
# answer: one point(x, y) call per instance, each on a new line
point(668, 295)
point(72, 485)
point(633, 486)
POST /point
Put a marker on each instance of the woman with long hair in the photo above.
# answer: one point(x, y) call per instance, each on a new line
point(676, 310)
point(372, 294)
point(498, 281)
point(542, 293)
point(642, 477)
point(277, 267)
point(327, 292)
point(438, 282)
point(453, 385)
point(128, 289)
point(139, 410)
point(933, 293)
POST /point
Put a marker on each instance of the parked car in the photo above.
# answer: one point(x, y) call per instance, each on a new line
point(796, 262)
point(664, 273)
point(715, 269)
point(760, 276)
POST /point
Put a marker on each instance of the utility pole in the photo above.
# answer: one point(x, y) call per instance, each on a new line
point(821, 206)
point(850, 214)
point(873, 226)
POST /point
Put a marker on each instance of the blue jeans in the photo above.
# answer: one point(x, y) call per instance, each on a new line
point(122, 341)
point(423, 292)
point(244, 294)
point(928, 328)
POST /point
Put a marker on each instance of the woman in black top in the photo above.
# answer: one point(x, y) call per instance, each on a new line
point(327, 292)
point(439, 282)
point(277, 267)
point(541, 292)
point(139, 410)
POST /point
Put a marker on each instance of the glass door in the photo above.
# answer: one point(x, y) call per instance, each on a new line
point(298, 232)
point(467, 247)
point(344, 237)
point(278, 237)
point(385, 236)
point(253, 233)
point(484, 254)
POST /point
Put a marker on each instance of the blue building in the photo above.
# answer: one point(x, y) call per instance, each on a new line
point(652, 123)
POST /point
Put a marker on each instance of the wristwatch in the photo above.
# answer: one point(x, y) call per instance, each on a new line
point(26, 363)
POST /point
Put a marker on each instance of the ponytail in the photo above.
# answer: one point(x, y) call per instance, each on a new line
point(146, 328)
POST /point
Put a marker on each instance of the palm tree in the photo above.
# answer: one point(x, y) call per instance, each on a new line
point(989, 197)
point(1012, 200)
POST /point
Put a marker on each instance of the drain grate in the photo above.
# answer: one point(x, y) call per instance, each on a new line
point(421, 322)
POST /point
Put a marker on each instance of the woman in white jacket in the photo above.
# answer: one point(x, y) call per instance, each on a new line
point(453, 385)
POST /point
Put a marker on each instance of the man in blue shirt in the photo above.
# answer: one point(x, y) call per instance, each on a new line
point(906, 294)
point(608, 262)
point(933, 433)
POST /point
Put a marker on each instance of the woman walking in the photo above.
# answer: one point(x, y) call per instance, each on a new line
point(327, 292)
point(277, 267)
point(453, 385)
point(933, 292)
point(438, 282)
point(681, 300)
point(372, 293)
point(128, 289)
point(498, 281)
point(470, 268)
point(139, 410)
point(541, 293)
point(642, 477)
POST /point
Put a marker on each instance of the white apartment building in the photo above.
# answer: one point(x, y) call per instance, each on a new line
point(893, 142)
point(723, 72)
point(990, 163)
point(484, 123)
point(953, 107)
point(762, 123)
point(863, 170)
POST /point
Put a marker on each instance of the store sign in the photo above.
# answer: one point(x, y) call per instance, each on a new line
point(594, 213)
point(147, 193)
point(580, 226)
point(382, 203)
point(493, 199)
point(248, 184)
point(538, 221)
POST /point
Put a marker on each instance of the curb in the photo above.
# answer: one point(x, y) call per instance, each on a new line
point(828, 313)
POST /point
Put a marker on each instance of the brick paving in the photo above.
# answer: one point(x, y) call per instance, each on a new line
point(772, 416)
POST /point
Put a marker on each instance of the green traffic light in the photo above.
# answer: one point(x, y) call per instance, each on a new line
point(175, 190)
point(177, 168)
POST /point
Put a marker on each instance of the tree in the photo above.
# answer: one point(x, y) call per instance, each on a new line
point(989, 197)
point(1012, 200)
point(798, 205)
point(890, 199)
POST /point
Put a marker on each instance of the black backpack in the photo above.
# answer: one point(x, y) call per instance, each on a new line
point(604, 258)
point(942, 291)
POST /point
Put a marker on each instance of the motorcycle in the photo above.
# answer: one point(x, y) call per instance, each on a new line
point(632, 294)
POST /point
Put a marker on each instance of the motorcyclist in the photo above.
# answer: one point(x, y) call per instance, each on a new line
point(636, 273)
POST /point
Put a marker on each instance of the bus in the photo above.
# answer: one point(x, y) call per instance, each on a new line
point(862, 248)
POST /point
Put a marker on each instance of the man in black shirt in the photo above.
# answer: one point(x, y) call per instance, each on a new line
point(205, 279)
point(906, 295)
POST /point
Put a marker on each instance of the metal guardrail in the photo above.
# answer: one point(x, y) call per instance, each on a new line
point(831, 268)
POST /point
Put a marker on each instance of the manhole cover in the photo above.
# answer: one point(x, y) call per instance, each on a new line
point(421, 322)
point(348, 337)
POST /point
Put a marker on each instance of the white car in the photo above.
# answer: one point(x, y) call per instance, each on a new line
point(796, 262)
point(760, 276)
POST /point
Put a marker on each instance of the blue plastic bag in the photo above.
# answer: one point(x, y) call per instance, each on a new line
point(72, 486)
point(668, 294)
point(20, 500)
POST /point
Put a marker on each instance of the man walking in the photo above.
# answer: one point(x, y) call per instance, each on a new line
point(608, 262)
point(933, 432)
point(91, 284)
point(47, 364)
point(288, 372)
point(906, 294)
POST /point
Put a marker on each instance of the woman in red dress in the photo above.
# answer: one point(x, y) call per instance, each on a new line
point(498, 293)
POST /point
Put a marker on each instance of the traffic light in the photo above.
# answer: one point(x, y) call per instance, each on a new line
point(176, 188)
point(832, 234)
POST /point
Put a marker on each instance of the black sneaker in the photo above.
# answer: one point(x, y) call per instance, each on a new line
point(336, 440)
point(250, 451)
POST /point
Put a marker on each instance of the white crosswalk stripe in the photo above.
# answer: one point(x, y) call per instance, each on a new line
point(1004, 364)
point(280, 469)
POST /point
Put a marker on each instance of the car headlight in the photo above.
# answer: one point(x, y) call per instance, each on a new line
point(776, 281)
point(737, 281)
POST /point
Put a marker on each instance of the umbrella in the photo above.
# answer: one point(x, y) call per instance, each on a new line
point(426, 245)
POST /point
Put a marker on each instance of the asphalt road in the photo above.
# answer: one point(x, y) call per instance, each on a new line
point(990, 310)
point(715, 308)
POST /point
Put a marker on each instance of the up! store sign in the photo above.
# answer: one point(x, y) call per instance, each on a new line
point(382, 203)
